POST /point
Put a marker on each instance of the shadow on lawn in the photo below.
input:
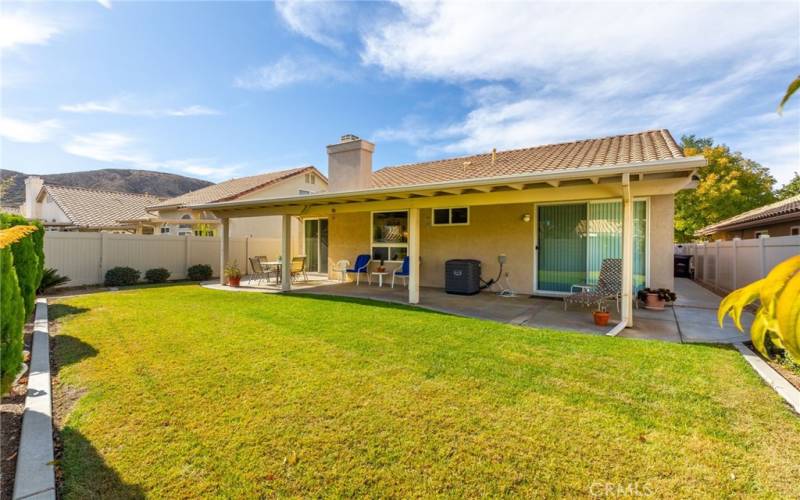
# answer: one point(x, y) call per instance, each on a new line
point(367, 302)
point(84, 473)
point(57, 311)
point(69, 350)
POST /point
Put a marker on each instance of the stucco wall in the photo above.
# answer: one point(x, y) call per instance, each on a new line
point(774, 230)
point(493, 229)
point(662, 235)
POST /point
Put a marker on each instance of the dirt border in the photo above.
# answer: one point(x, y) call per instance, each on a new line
point(12, 408)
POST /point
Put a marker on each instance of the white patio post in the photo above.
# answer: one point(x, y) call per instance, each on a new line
point(286, 253)
point(224, 252)
point(627, 252)
point(413, 256)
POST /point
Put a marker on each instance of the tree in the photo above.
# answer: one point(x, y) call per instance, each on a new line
point(791, 188)
point(729, 185)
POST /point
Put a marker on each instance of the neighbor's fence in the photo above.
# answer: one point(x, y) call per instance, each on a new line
point(728, 265)
point(85, 257)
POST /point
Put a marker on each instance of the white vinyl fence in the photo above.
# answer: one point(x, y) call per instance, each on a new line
point(728, 265)
point(85, 257)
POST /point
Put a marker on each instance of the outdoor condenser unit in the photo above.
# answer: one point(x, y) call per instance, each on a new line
point(462, 276)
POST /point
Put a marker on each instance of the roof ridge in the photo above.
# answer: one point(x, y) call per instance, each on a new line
point(662, 131)
point(81, 188)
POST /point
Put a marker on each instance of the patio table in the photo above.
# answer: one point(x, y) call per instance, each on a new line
point(277, 264)
point(380, 276)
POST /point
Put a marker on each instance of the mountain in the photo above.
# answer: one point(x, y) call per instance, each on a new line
point(110, 179)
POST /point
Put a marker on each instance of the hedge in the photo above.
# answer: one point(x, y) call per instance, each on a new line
point(157, 275)
point(12, 319)
point(122, 276)
point(28, 258)
point(199, 272)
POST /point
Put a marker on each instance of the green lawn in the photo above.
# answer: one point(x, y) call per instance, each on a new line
point(188, 392)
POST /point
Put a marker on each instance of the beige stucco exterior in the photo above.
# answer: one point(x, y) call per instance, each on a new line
point(492, 230)
point(773, 230)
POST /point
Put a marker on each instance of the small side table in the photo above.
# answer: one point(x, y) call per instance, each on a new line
point(380, 276)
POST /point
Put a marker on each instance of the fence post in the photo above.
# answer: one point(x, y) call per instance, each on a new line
point(735, 262)
point(763, 256)
point(187, 254)
point(716, 267)
point(103, 250)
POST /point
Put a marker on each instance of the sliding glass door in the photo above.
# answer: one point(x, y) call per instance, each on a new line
point(316, 245)
point(573, 240)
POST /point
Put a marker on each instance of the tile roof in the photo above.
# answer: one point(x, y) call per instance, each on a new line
point(94, 208)
point(233, 188)
point(758, 215)
point(608, 151)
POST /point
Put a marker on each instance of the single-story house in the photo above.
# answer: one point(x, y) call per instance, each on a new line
point(781, 218)
point(553, 212)
point(67, 208)
point(175, 215)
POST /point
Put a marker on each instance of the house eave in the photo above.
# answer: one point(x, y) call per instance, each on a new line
point(592, 172)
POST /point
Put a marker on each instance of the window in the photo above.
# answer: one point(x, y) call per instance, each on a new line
point(165, 230)
point(303, 192)
point(185, 226)
point(147, 230)
point(794, 231)
point(458, 216)
point(389, 235)
point(761, 234)
point(311, 179)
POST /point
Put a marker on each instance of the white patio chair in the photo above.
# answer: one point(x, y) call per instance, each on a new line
point(341, 267)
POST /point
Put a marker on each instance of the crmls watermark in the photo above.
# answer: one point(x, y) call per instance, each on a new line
point(606, 489)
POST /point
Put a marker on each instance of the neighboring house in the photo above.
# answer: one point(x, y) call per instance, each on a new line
point(781, 218)
point(554, 212)
point(65, 208)
point(175, 216)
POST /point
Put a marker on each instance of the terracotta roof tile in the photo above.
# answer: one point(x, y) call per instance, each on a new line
point(608, 151)
point(94, 208)
point(232, 189)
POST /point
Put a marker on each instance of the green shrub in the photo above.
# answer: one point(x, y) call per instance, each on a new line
point(157, 275)
point(51, 279)
point(27, 260)
point(12, 319)
point(122, 276)
point(199, 272)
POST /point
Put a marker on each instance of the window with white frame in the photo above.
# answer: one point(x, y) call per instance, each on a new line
point(453, 216)
point(164, 229)
point(311, 179)
point(389, 239)
point(761, 234)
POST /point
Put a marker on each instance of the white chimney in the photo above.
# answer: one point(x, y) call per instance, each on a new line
point(350, 164)
point(33, 185)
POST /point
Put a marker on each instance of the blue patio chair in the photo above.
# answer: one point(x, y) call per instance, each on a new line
point(361, 266)
point(402, 272)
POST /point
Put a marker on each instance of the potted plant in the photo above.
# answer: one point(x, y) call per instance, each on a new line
point(233, 273)
point(601, 315)
point(381, 268)
point(655, 299)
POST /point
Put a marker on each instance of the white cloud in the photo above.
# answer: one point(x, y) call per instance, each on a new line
point(105, 3)
point(546, 72)
point(318, 21)
point(288, 71)
point(24, 131)
point(114, 147)
point(22, 28)
point(125, 106)
point(111, 147)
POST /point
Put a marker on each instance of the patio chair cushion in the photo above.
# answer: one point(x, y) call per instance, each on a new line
point(403, 269)
point(362, 261)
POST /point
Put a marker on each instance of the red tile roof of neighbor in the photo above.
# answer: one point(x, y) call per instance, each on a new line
point(232, 189)
point(757, 216)
point(607, 151)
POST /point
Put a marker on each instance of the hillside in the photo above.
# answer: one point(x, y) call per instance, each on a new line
point(125, 180)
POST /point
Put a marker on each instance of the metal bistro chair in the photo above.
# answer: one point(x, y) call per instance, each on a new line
point(268, 268)
point(258, 271)
point(609, 286)
point(298, 267)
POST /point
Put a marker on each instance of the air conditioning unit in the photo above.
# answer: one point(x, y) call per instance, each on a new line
point(462, 276)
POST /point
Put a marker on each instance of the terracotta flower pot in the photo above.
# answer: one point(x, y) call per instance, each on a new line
point(234, 282)
point(601, 317)
point(653, 302)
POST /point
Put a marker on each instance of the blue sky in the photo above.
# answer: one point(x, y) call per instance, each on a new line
point(221, 90)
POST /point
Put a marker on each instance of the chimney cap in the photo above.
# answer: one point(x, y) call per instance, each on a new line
point(349, 138)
